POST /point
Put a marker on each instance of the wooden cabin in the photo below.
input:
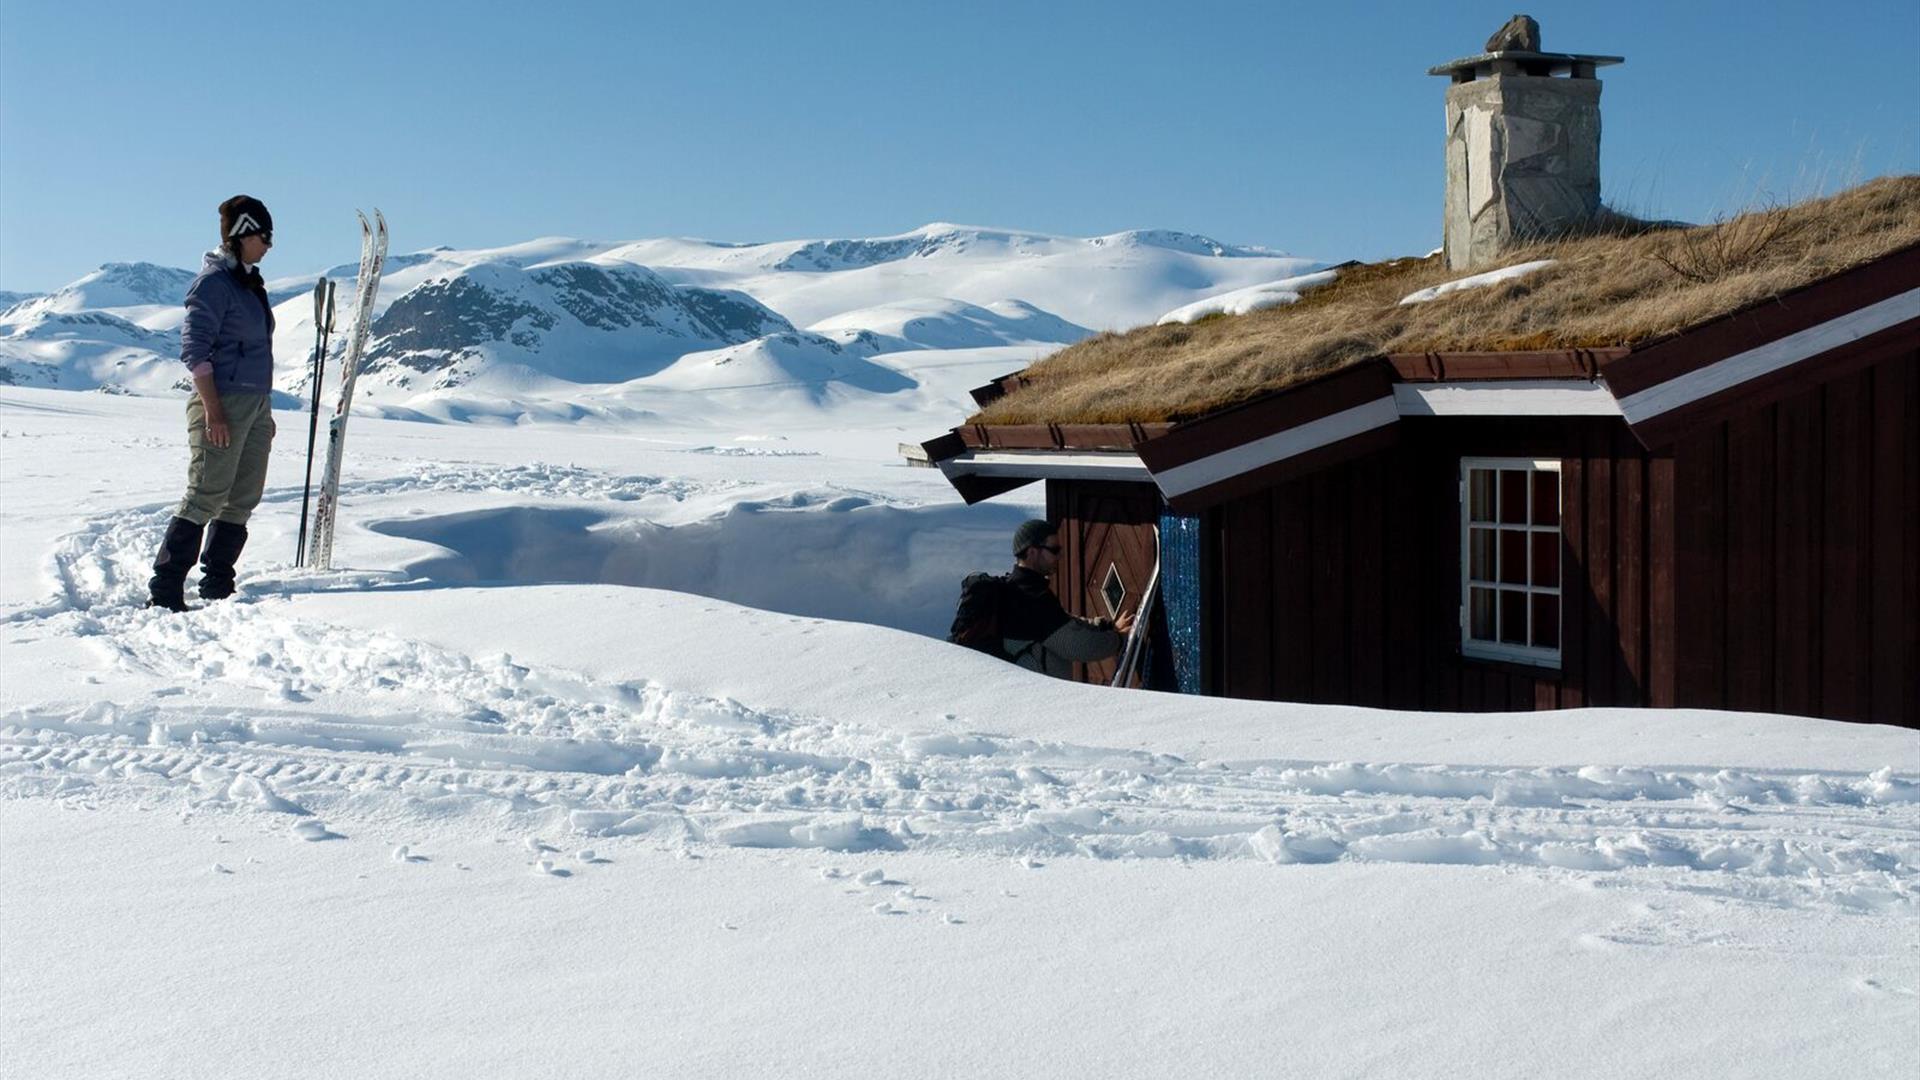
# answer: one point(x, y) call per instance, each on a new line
point(1718, 516)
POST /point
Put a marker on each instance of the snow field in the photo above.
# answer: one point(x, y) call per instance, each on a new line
point(343, 720)
point(749, 963)
point(493, 800)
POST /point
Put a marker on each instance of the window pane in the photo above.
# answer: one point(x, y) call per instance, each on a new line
point(1513, 617)
point(1480, 494)
point(1513, 497)
point(1546, 498)
point(1513, 556)
point(1480, 562)
point(1546, 621)
point(1481, 625)
point(1546, 559)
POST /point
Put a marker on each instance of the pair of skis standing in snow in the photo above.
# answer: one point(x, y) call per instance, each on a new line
point(318, 552)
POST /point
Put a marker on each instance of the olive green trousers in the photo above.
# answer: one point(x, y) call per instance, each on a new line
point(224, 482)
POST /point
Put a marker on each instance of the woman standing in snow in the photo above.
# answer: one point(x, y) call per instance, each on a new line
point(227, 345)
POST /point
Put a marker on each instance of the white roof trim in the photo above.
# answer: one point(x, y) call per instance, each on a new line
point(1492, 397)
point(1506, 397)
point(1774, 355)
point(1248, 456)
point(1048, 464)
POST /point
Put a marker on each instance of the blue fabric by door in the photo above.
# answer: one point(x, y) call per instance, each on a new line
point(1178, 664)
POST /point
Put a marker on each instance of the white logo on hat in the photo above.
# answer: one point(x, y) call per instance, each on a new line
point(246, 224)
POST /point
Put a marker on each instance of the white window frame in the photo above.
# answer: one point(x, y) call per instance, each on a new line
point(1479, 648)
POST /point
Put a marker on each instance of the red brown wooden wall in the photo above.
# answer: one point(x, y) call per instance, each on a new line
point(1798, 553)
point(1344, 587)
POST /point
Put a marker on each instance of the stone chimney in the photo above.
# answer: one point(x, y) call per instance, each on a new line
point(1523, 144)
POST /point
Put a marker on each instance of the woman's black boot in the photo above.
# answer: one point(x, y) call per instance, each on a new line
point(224, 541)
point(167, 587)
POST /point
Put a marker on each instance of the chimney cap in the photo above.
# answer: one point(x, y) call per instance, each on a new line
point(1544, 63)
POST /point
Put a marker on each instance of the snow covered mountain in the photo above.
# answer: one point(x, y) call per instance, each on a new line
point(574, 322)
point(940, 323)
point(565, 327)
point(115, 286)
point(116, 328)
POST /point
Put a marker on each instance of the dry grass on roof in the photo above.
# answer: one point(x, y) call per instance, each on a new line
point(1602, 290)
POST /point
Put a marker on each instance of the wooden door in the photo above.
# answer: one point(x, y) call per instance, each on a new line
point(1106, 537)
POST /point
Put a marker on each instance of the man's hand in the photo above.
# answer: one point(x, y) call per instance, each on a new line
point(1124, 623)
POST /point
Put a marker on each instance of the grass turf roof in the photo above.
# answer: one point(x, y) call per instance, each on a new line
point(1601, 291)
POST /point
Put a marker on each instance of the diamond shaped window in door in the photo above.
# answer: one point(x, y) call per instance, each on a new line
point(1113, 590)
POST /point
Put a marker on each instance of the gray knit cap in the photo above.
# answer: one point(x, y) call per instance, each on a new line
point(1031, 533)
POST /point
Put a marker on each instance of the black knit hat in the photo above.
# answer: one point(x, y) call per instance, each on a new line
point(1031, 533)
point(243, 215)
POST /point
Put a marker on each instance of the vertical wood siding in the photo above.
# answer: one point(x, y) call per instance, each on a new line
point(1798, 553)
point(1344, 587)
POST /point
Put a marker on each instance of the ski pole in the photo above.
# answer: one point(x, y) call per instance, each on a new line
point(322, 327)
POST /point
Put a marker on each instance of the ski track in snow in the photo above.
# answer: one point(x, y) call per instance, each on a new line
point(358, 729)
point(105, 562)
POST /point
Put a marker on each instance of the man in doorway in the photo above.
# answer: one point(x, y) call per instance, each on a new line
point(1038, 633)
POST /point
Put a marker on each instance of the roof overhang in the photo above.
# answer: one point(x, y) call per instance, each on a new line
point(1506, 397)
point(1273, 439)
point(1745, 360)
point(982, 461)
point(1048, 465)
point(1754, 357)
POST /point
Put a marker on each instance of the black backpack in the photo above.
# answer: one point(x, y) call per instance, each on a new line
point(976, 625)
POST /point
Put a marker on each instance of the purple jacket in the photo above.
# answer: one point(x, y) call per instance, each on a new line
point(229, 327)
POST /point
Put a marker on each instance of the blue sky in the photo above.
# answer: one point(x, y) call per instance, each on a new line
point(1307, 127)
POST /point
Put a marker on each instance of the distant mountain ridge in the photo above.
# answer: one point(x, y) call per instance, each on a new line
point(564, 320)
